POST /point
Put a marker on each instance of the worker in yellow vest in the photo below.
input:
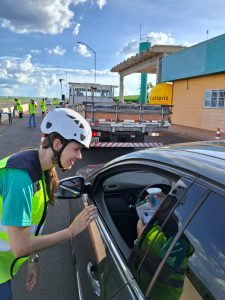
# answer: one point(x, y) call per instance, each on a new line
point(28, 182)
point(32, 112)
point(19, 107)
point(43, 107)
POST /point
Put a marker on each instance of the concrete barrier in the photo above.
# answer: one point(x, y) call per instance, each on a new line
point(6, 110)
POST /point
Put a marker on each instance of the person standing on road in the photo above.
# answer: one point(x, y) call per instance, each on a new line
point(43, 107)
point(28, 183)
point(32, 112)
point(19, 107)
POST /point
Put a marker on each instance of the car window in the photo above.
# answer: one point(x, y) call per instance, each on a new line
point(133, 179)
point(120, 195)
point(156, 239)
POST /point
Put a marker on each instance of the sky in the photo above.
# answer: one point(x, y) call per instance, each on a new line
point(39, 39)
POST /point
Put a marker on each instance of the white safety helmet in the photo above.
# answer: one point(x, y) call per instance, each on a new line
point(69, 124)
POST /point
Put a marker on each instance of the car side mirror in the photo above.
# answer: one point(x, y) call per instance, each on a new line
point(72, 188)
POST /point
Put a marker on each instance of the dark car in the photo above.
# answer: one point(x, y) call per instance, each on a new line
point(181, 251)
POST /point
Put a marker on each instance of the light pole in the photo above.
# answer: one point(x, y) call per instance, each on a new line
point(93, 53)
point(61, 80)
point(66, 78)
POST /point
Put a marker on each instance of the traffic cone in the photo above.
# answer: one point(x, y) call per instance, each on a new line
point(217, 136)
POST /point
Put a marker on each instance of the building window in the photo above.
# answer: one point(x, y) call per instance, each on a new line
point(214, 99)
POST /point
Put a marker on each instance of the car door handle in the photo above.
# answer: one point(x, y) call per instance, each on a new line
point(91, 270)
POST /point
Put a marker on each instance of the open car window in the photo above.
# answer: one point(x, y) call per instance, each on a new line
point(117, 195)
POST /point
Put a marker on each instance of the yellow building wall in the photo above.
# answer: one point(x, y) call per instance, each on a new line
point(188, 102)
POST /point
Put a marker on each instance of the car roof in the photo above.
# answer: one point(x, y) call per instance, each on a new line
point(204, 158)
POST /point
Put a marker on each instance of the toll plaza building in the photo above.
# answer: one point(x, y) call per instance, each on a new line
point(198, 76)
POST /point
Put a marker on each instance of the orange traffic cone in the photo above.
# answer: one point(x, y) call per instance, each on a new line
point(217, 136)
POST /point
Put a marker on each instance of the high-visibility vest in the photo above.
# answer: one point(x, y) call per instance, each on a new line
point(32, 108)
point(38, 205)
point(19, 106)
point(43, 106)
point(170, 281)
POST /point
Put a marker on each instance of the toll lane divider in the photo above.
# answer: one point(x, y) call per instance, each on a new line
point(124, 145)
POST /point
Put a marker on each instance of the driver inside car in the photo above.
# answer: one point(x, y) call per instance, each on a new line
point(155, 243)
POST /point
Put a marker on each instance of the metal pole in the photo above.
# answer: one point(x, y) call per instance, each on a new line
point(66, 85)
point(95, 65)
point(63, 79)
point(94, 56)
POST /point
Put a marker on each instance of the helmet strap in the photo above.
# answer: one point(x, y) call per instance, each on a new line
point(57, 154)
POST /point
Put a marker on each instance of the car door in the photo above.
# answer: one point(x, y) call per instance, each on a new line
point(101, 270)
point(102, 251)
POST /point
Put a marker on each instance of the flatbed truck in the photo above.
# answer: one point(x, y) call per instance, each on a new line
point(124, 122)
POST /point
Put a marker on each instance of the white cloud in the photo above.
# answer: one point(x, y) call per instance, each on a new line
point(101, 3)
point(53, 80)
point(161, 38)
point(131, 48)
point(76, 29)
point(9, 90)
point(26, 65)
point(37, 80)
point(35, 51)
point(44, 16)
point(14, 70)
point(3, 74)
point(22, 78)
point(6, 64)
point(76, 2)
point(83, 50)
point(58, 50)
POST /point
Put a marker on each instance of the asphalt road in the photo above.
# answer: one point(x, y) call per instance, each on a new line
point(56, 274)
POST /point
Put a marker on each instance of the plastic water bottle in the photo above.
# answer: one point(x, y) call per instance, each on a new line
point(153, 201)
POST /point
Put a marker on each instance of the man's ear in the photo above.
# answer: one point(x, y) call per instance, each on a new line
point(57, 144)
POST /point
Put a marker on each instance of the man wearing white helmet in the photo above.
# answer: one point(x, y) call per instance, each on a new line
point(28, 182)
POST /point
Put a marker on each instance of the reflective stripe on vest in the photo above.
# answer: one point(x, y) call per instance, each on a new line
point(6, 254)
